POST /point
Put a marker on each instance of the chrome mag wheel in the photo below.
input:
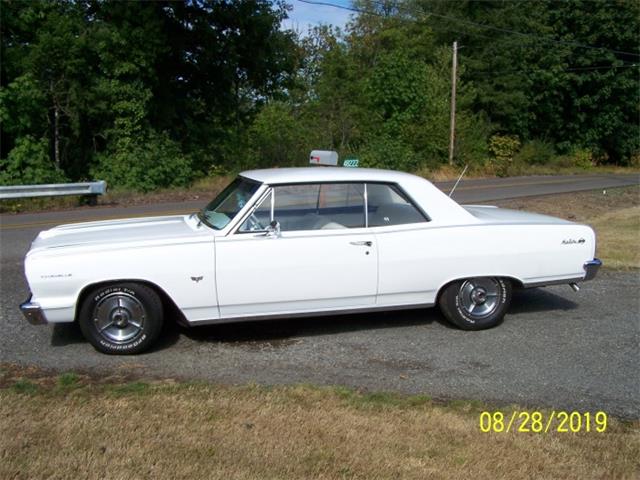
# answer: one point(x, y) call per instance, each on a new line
point(119, 317)
point(479, 297)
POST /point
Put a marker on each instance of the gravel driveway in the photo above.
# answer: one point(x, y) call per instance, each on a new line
point(556, 348)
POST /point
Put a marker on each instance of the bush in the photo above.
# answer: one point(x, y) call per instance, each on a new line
point(156, 163)
point(503, 148)
point(386, 152)
point(535, 152)
point(28, 163)
point(472, 132)
point(580, 158)
point(583, 158)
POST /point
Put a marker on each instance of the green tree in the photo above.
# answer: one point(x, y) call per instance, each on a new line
point(28, 162)
point(275, 137)
point(106, 81)
point(555, 71)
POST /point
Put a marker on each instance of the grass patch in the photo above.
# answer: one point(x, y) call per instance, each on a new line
point(68, 380)
point(613, 213)
point(25, 387)
point(198, 430)
point(380, 400)
point(619, 238)
point(131, 388)
point(448, 172)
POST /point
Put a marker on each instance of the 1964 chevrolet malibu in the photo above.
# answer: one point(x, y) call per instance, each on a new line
point(296, 242)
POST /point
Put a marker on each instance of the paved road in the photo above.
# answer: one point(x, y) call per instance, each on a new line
point(468, 191)
point(556, 348)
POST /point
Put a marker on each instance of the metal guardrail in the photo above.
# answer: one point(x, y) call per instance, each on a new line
point(54, 189)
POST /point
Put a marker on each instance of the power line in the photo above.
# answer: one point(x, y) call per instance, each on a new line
point(601, 67)
point(573, 69)
point(475, 24)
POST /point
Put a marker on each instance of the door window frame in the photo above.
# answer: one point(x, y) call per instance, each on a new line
point(270, 192)
point(402, 193)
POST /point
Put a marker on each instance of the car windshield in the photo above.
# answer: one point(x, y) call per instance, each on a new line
point(219, 212)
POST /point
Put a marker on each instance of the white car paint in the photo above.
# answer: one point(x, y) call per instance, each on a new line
point(218, 276)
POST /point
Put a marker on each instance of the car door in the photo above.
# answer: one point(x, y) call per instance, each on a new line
point(405, 248)
point(323, 257)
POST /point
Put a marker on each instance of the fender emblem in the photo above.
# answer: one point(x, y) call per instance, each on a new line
point(57, 275)
point(196, 279)
point(571, 241)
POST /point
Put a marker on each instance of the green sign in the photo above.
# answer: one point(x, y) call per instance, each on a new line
point(350, 162)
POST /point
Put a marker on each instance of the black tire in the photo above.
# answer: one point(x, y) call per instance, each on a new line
point(122, 318)
point(476, 303)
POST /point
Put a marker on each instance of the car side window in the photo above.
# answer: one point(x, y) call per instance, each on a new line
point(320, 206)
point(260, 218)
point(388, 205)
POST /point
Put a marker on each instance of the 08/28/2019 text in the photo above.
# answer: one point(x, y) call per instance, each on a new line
point(543, 422)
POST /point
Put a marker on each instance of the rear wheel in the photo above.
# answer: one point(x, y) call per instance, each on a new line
point(476, 303)
point(123, 319)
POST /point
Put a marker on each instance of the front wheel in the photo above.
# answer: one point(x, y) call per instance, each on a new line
point(122, 319)
point(476, 303)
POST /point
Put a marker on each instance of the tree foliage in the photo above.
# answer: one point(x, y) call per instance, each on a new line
point(147, 94)
point(155, 94)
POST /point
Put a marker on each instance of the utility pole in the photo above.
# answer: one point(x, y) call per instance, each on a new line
point(454, 75)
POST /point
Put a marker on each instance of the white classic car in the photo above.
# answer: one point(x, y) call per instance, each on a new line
point(297, 242)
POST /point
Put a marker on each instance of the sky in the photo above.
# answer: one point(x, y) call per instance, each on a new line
point(304, 15)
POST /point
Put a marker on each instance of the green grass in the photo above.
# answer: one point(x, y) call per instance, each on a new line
point(129, 389)
point(68, 380)
point(25, 387)
point(76, 426)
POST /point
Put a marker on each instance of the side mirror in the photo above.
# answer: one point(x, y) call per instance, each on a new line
point(273, 230)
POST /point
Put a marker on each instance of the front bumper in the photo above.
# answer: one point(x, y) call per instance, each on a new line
point(33, 313)
point(591, 268)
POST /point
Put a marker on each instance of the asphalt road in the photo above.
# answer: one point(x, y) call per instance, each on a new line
point(468, 191)
point(556, 348)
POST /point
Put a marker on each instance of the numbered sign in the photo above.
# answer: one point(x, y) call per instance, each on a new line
point(350, 162)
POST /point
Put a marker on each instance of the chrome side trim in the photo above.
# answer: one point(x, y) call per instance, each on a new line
point(366, 207)
point(33, 313)
point(235, 230)
point(319, 313)
point(564, 281)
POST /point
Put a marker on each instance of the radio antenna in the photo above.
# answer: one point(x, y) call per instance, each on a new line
point(458, 181)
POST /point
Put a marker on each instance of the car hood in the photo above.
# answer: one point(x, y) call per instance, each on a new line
point(488, 214)
point(151, 230)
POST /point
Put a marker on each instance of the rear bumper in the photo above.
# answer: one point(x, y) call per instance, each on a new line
point(33, 313)
point(591, 268)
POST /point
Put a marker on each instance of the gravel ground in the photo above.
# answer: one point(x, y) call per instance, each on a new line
point(555, 349)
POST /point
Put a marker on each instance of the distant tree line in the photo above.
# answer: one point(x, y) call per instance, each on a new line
point(157, 94)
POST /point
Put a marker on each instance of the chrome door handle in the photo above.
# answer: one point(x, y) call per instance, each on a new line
point(363, 243)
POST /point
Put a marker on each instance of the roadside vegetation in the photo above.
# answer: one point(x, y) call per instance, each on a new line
point(205, 189)
point(79, 426)
point(153, 95)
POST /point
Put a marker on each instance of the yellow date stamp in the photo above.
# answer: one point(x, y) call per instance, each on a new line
point(523, 421)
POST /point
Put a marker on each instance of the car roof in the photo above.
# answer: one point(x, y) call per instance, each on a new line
point(440, 208)
point(273, 176)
